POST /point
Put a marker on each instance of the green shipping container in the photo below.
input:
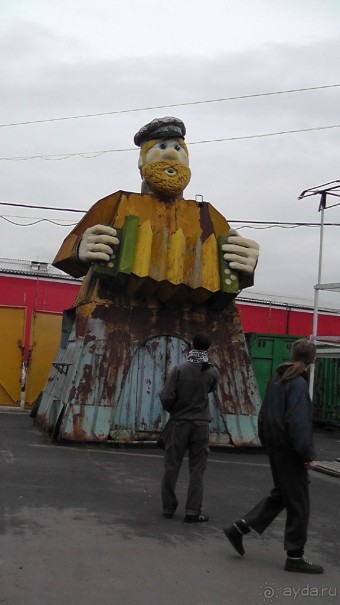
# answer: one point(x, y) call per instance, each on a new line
point(326, 399)
point(267, 351)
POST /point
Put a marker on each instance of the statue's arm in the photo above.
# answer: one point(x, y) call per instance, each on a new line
point(90, 240)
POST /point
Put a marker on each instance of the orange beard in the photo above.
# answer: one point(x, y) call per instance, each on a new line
point(160, 182)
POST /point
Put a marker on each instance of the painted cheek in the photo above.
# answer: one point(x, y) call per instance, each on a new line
point(183, 158)
point(153, 155)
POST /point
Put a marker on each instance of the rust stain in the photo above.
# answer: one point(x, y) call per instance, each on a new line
point(157, 422)
point(113, 332)
point(206, 222)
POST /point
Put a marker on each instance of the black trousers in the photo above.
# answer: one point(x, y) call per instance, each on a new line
point(194, 437)
point(290, 492)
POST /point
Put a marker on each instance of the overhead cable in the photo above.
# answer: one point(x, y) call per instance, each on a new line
point(168, 106)
point(94, 154)
point(245, 223)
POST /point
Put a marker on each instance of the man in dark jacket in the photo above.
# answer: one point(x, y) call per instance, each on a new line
point(285, 429)
point(186, 397)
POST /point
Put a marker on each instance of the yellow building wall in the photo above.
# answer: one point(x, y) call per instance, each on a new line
point(44, 343)
point(12, 326)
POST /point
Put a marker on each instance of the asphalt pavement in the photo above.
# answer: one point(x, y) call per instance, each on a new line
point(81, 524)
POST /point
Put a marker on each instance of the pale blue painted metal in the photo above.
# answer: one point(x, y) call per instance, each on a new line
point(105, 382)
point(139, 407)
point(93, 420)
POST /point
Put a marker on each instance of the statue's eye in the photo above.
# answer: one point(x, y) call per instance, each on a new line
point(162, 146)
point(178, 147)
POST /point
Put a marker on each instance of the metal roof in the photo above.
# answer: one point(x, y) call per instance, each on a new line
point(281, 300)
point(32, 268)
point(35, 268)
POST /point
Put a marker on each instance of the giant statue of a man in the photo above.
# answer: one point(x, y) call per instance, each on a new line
point(157, 269)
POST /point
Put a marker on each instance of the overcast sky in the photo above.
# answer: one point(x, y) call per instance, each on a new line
point(76, 57)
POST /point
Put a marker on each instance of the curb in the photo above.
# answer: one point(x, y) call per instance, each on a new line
point(329, 468)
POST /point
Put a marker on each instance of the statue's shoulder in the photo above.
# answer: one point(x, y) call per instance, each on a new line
point(210, 215)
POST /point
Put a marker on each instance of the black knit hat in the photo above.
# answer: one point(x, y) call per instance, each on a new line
point(160, 128)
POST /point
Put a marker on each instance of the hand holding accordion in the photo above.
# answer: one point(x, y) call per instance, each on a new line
point(171, 267)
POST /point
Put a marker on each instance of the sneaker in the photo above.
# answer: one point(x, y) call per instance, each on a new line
point(235, 537)
point(196, 518)
point(302, 565)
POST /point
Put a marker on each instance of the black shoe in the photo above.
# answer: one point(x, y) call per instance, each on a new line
point(301, 565)
point(235, 537)
point(168, 514)
point(196, 518)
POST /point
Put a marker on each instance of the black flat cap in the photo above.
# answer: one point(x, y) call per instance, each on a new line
point(160, 128)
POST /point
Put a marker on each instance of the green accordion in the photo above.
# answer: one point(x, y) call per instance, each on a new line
point(122, 258)
point(228, 277)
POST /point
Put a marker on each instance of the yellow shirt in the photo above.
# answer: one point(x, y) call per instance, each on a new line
point(175, 255)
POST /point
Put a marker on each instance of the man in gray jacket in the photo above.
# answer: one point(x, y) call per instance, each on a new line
point(186, 397)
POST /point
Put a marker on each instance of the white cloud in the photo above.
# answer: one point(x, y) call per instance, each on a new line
point(70, 58)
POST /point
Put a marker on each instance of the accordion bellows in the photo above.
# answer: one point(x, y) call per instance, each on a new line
point(169, 249)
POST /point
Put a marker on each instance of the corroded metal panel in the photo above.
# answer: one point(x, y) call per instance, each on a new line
point(238, 430)
point(139, 408)
point(176, 254)
point(61, 373)
point(113, 362)
point(86, 422)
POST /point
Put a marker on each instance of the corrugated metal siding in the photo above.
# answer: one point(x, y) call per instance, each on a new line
point(268, 351)
point(109, 371)
point(326, 397)
point(138, 407)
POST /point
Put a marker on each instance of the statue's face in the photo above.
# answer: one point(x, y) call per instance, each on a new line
point(167, 149)
point(165, 168)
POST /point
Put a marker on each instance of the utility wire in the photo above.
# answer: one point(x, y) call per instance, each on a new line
point(35, 221)
point(120, 111)
point(238, 228)
point(17, 205)
point(94, 154)
point(245, 223)
point(282, 225)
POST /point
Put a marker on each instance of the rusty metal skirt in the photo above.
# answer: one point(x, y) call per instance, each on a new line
point(113, 360)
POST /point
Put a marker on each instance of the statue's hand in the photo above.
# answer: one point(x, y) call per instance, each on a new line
point(97, 244)
point(241, 253)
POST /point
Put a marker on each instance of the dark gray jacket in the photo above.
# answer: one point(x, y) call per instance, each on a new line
point(285, 418)
point(185, 393)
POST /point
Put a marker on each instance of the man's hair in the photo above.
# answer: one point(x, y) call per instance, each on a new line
point(201, 341)
point(303, 354)
point(303, 350)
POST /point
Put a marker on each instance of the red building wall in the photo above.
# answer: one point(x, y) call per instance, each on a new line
point(28, 298)
point(55, 295)
point(38, 294)
point(286, 320)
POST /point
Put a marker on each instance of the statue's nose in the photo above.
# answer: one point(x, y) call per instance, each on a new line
point(170, 153)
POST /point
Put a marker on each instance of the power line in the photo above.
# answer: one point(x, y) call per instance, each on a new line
point(35, 221)
point(17, 205)
point(94, 154)
point(248, 225)
point(61, 209)
point(121, 111)
point(242, 224)
point(270, 224)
